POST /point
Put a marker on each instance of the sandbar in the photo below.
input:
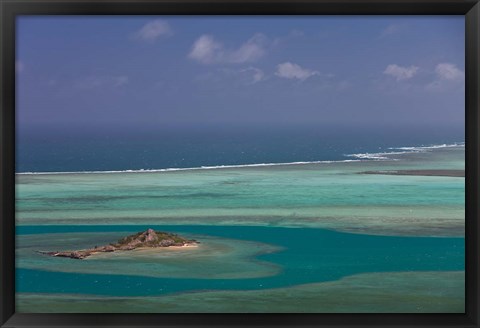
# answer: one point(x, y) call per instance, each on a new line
point(435, 173)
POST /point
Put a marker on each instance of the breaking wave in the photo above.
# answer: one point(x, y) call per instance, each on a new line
point(402, 150)
point(357, 158)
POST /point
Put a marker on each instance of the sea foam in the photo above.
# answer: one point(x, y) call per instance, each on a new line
point(193, 168)
point(380, 156)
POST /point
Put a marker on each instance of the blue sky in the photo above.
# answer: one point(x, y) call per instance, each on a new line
point(149, 71)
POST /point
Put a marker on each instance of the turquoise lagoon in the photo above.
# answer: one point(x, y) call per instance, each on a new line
point(304, 237)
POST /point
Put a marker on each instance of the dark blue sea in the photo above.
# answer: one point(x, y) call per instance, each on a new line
point(60, 149)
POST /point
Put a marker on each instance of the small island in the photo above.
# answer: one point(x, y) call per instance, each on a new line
point(145, 239)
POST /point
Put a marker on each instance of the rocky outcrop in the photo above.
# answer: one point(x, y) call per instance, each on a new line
point(149, 238)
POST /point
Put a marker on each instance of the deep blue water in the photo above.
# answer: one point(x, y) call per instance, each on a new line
point(310, 255)
point(50, 150)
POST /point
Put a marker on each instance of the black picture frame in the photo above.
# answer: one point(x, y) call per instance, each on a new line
point(9, 9)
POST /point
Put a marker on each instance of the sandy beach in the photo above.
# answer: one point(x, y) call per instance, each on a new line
point(143, 250)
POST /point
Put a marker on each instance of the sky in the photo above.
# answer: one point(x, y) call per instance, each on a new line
point(152, 71)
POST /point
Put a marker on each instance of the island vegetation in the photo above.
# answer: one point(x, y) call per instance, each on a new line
point(144, 239)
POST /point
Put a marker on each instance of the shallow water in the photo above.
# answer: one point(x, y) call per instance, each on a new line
point(261, 229)
point(326, 195)
point(308, 255)
point(213, 258)
point(390, 292)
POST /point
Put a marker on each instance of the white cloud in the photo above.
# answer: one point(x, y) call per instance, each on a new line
point(207, 50)
point(448, 76)
point(447, 71)
point(19, 66)
point(257, 74)
point(93, 82)
point(250, 51)
point(290, 70)
point(401, 73)
point(154, 30)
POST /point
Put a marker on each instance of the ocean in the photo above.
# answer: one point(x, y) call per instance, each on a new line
point(289, 220)
point(91, 149)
